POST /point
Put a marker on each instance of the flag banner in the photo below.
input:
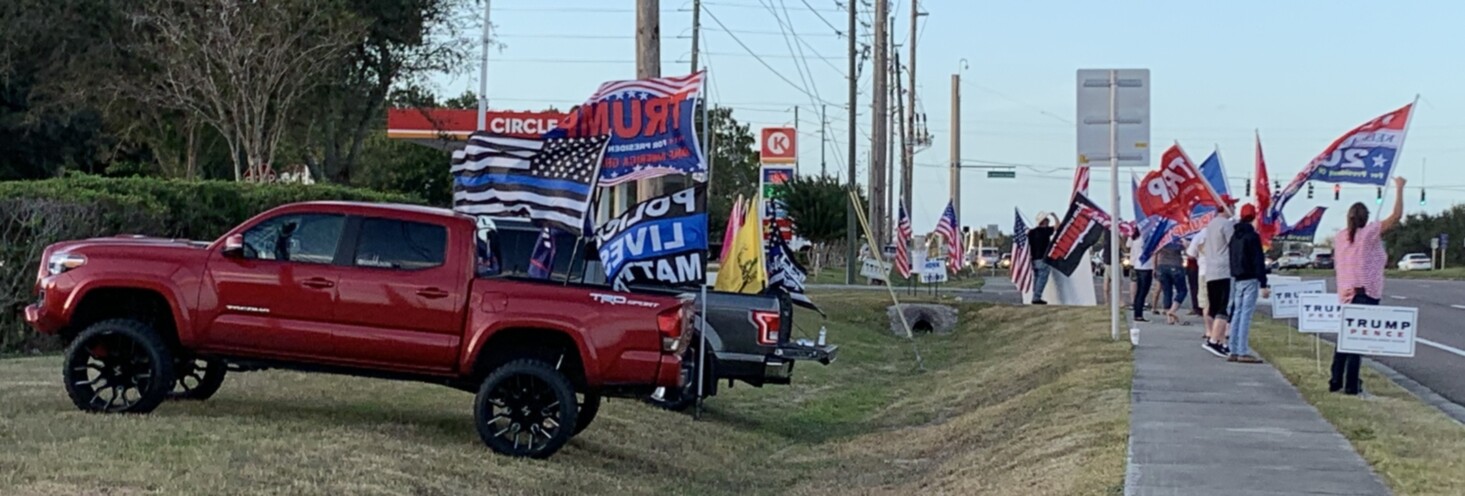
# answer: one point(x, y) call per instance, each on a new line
point(1022, 259)
point(1176, 189)
point(1184, 231)
point(541, 260)
point(651, 124)
point(785, 273)
point(1080, 229)
point(549, 181)
point(1155, 231)
point(734, 220)
point(744, 271)
point(1270, 220)
point(1215, 173)
point(903, 235)
point(1363, 155)
point(658, 242)
point(1081, 180)
point(946, 227)
point(1305, 229)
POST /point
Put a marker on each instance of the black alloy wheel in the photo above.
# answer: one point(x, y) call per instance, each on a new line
point(526, 408)
point(197, 378)
point(118, 366)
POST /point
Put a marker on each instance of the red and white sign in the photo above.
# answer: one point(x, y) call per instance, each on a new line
point(458, 124)
point(1378, 330)
point(780, 145)
point(1176, 188)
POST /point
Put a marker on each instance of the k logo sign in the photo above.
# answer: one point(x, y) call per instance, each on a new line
point(780, 145)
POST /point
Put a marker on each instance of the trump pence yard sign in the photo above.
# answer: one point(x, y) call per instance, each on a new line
point(1318, 313)
point(1375, 330)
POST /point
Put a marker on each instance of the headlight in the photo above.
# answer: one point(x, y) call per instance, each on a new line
point(62, 262)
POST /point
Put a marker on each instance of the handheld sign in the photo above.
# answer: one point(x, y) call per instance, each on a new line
point(1319, 313)
point(933, 270)
point(1285, 296)
point(1376, 330)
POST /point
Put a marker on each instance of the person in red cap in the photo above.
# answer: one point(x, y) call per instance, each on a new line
point(1249, 277)
point(1215, 258)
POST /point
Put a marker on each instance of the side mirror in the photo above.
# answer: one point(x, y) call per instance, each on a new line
point(234, 246)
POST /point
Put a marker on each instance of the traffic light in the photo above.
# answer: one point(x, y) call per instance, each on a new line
point(1380, 199)
point(1276, 184)
point(1337, 188)
point(1248, 186)
point(1309, 190)
point(1421, 196)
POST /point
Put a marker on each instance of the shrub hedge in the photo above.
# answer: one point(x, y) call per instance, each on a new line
point(35, 214)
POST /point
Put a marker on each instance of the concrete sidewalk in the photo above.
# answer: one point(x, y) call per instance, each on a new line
point(1200, 425)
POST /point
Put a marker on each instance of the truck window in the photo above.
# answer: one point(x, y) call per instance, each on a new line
point(515, 246)
point(305, 238)
point(399, 244)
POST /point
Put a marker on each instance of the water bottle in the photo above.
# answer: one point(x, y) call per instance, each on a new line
point(822, 333)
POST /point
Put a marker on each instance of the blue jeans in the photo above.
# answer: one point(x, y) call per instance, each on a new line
point(1172, 286)
point(1243, 305)
point(1040, 278)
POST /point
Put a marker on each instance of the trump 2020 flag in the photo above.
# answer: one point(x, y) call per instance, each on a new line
point(541, 260)
point(1175, 189)
point(547, 180)
point(1363, 155)
point(1305, 229)
point(1080, 229)
point(650, 123)
point(658, 242)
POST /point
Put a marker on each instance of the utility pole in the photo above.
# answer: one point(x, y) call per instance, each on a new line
point(483, 69)
point(908, 161)
point(696, 30)
point(851, 229)
point(648, 65)
point(797, 138)
point(898, 119)
point(956, 145)
point(823, 143)
point(878, 133)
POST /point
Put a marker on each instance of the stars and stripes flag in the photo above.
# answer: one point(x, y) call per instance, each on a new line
point(548, 180)
point(786, 273)
point(1081, 180)
point(903, 236)
point(946, 227)
point(1022, 259)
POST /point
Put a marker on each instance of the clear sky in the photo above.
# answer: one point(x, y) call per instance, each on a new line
point(1301, 72)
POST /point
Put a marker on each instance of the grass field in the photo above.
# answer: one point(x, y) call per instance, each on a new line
point(1019, 401)
point(1414, 447)
point(1452, 273)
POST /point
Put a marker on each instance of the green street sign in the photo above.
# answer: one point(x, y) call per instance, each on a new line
point(1001, 174)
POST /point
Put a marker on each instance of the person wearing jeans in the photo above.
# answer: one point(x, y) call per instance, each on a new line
point(1249, 271)
point(1171, 271)
point(1039, 239)
point(1144, 273)
point(1360, 258)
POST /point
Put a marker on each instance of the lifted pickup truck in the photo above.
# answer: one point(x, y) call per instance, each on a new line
point(382, 291)
point(749, 335)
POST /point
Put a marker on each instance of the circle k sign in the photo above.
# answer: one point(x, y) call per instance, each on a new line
point(780, 145)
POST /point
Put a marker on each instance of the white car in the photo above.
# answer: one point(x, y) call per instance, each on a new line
point(1415, 261)
point(1292, 260)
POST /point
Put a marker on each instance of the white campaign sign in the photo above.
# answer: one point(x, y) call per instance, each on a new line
point(1319, 312)
point(1285, 296)
point(1376, 330)
point(933, 270)
point(870, 269)
point(1275, 281)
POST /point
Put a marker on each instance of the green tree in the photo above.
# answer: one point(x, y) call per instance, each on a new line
point(734, 168)
point(819, 208)
point(1413, 234)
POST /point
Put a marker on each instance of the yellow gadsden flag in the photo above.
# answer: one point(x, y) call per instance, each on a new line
point(742, 271)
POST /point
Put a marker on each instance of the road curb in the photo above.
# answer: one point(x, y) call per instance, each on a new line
point(1451, 409)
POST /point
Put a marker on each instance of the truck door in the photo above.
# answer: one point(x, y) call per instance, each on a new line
point(402, 295)
point(277, 298)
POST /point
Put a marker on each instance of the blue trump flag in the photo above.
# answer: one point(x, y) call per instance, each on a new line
point(658, 242)
point(541, 261)
point(1215, 174)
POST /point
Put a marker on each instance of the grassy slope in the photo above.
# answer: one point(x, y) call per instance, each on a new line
point(1416, 449)
point(1020, 401)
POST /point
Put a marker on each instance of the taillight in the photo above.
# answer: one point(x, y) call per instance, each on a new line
point(670, 323)
point(769, 324)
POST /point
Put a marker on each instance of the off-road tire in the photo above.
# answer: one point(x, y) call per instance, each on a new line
point(118, 366)
point(589, 406)
point(533, 396)
point(197, 378)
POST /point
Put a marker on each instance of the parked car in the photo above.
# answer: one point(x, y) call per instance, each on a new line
point(1292, 260)
point(750, 335)
point(1322, 261)
point(1415, 261)
point(1006, 261)
point(386, 291)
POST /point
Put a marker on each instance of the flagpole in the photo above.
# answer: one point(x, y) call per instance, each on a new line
point(1114, 205)
point(702, 333)
point(1379, 212)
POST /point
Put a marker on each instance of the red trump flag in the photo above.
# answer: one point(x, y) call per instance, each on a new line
point(1176, 188)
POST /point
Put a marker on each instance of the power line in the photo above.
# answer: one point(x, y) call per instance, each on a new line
point(755, 54)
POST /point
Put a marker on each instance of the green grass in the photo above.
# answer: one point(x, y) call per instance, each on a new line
point(1017, 401)
point(1451, 273)
point(1413, 446)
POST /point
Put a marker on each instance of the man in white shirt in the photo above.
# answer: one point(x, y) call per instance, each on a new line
point(1193, 251)
point(1215, 263)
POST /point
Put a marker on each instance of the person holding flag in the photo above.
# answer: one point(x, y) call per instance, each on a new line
point(1040, 239)
point(1360, 257)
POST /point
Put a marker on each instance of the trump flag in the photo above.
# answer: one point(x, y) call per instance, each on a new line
point(1363, 155)
point(1176, 189)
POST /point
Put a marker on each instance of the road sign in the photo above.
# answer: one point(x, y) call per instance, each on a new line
point(992, 231)
point(1131, 111)
point(1434, 243)
point(1444, 239)
point(780, 145)
point(1378, 330)
point(1001, 174)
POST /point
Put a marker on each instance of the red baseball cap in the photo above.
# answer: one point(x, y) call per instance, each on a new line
point(1248, 211)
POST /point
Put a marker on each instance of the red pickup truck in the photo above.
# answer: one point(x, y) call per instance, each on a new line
point(387, 291)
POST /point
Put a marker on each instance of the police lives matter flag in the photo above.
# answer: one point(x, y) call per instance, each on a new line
point(1081, 228)
point(658, 242)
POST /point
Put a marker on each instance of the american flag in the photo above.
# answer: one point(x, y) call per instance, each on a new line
point(1081, 180)
point(902, 243)
point(1022, 260)
point(946, 227)
point(547, 180)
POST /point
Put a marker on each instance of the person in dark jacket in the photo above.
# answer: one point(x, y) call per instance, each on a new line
point(1249, 273)
point(1039, 239)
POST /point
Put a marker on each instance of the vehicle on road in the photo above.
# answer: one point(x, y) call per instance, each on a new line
point(1006, 261)
point(1415, 261)
point(986, 257)
point(385, 291)
point(1292, 260)
point(1321, 261)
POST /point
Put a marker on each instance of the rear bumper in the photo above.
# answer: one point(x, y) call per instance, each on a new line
point(669, 373)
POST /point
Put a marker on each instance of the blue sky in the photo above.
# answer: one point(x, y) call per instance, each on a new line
point(1302, 72)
